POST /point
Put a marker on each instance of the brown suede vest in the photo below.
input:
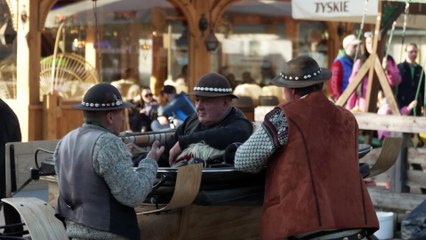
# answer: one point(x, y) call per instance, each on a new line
point(314, 183)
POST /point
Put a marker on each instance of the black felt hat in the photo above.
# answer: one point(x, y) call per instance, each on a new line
point(301, 72)
point(102, 97)
point(168, 89)
point(213, 85)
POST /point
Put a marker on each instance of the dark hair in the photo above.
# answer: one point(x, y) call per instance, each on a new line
point(390, 58)
point(364, 56)
point(93, 115)
point(168, 89)
point(305, 90)
point(96, 115)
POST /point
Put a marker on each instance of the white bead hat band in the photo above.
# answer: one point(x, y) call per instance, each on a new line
point(306, 77)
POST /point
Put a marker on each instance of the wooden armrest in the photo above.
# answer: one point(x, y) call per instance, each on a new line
point(187, 185)
point(39, 218)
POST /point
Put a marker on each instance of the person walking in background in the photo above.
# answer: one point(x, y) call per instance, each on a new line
point(297, 144)
point(412, 88)
point(412, 85)
point(356, 101)
point(98, 187)
point(341, 68)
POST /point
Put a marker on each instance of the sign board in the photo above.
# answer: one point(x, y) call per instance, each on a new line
point(335, 10)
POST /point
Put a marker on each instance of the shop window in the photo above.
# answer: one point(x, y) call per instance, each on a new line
point(147, 38)
point(313, 41)
point(258, 37)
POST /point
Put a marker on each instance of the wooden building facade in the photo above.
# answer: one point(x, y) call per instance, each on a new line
point(247, 32)
point(50, 116)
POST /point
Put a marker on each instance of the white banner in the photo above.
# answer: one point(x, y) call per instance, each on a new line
point(334, 9)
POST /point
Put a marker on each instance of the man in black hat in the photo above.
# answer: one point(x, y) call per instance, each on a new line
point(98, 188)
point(313, 186)
point(215, 124)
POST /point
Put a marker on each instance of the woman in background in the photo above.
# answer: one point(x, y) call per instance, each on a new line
point(356, 101)
point(143, 112)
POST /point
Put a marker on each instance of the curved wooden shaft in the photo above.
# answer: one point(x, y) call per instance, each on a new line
point(39, 218)
point(388, 155)
point(188, 182)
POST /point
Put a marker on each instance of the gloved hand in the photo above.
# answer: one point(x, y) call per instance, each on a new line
point(230, 152)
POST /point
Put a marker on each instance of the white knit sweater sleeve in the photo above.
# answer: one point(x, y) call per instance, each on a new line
point(252, 156)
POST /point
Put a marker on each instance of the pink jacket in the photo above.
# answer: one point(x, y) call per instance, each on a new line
point(392, 74)
point(385, 109)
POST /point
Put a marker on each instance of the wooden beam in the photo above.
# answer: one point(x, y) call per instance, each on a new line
point(393, 123)
point(372, 87)
point(354, 84)
point(398, 202)
point(390, 98)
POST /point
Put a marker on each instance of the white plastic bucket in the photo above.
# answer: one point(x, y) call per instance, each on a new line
point(386, 225)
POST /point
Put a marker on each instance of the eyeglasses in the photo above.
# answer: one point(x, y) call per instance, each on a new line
point(148, 95)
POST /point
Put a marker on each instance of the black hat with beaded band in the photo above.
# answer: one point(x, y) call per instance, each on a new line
point(213, 85)
point(301, 72)
point(102, 97)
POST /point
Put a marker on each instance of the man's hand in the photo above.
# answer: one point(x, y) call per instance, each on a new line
point(174, 152)
point(156, 151)
point(133, 148)
point(163, 120)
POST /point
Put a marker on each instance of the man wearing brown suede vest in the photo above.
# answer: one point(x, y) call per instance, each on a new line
point(309, 147)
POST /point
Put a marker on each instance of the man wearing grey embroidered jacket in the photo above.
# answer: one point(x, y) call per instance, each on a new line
point(98, 187)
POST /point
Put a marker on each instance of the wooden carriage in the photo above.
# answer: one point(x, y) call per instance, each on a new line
point(189, 202)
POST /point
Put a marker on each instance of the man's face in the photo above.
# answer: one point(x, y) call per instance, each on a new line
point(369, 44)
point(411, 53)
point(211, 110)
point(168, 96)
point(351, 49)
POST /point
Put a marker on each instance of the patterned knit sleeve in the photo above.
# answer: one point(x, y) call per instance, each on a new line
point(113, 161)
point(272, 134)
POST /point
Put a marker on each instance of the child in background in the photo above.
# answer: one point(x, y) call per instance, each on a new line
point(384, 109)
